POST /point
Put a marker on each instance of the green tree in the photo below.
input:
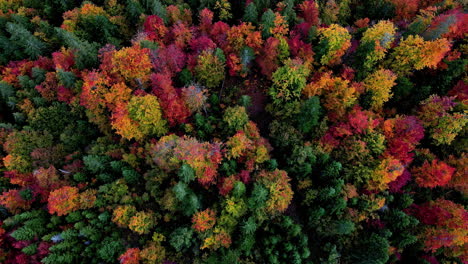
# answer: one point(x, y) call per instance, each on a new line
point(288, 82)
point(251, 14)
point(31, 45)
point(210, 68)
point(267, 22)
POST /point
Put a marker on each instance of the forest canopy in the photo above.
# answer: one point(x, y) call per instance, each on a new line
point(237, 132)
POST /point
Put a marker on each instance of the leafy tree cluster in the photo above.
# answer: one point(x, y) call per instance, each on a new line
point(218, 131)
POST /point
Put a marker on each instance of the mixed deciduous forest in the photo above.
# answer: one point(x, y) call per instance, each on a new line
point(249, 132)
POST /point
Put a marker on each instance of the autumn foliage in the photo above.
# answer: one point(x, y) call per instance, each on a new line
point(379, 84)
point(203, 157)
point(63, 200)
point(233, 131)
point(432, 174)
point(414, 52)
point(204, 220)
point(141, 222)
point(131, 256)
point(174, 108)
point(132, 63)
point(277, 182)
point(445, 225)
point(335, 41)
point(13, 201)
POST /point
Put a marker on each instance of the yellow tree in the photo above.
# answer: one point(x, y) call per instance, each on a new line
point(132, 63)
point(381, 35)
point(379, 84)
point(142, 222)
point(140, 118)
point(277, 182)
point(416, 53)
point(335, 40)
point(338, 95)
point(122, 214)
point(388, 170)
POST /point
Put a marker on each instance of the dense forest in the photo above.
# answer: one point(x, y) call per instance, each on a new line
point(243, 131)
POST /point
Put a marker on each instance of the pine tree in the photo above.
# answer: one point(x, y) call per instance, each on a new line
point(186, 173)
point(371, 249)
point(251, 14)
point(308, 118)
point(267, 22)
point(86, 53)
point(7, 94)
point(110, 249)
point(156, 8)
point(181, 238)
point(31, 45)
